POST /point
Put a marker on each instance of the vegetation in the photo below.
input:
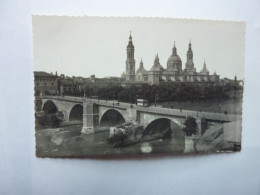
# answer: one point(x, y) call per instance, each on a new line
point(190, 126)
point(163, 92)
point(48, 120)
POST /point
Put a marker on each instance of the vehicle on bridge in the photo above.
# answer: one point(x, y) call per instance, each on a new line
point(142, 102)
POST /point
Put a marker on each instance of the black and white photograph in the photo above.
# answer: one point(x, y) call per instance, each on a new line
point(113, 86)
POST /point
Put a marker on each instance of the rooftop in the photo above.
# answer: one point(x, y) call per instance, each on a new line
point(43, 74)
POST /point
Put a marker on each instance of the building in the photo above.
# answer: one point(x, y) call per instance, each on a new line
point(45, 83)
point(67, 86)
point(130, 61)
point(174, 71)
point(141, 73)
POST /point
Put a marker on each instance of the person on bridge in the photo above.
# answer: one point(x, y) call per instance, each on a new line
point(219, 108)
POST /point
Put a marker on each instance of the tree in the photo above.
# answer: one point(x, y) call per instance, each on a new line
point(190, 126)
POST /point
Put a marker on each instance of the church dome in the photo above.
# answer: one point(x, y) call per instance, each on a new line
point(157, 66)
point(141, 68)
point(173, 59)
point(174, 62)
point(204, 71)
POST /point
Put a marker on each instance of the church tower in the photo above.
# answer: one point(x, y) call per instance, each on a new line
point(189, 64)
point(130, 61)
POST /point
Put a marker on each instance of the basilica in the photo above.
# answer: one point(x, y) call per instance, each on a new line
point(173, 73)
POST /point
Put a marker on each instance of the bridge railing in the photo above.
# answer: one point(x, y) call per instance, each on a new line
point(177, 112)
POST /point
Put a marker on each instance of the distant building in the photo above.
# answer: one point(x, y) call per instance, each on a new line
point(78, 85)
point(45, 83)
point(130, 61)
point(67, 86)
point(173, 73)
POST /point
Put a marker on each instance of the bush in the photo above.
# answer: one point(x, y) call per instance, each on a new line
point(48, 120)
point(117, 140)
point(190, 126)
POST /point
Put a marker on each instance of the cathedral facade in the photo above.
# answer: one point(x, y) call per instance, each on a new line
point(174, 71)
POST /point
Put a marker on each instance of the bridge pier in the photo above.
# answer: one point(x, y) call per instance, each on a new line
point(201, 126)
point(90, 116)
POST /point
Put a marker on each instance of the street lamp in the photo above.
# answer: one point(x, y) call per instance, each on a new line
point(155, 98)
point(219, 108)
point(197, 106)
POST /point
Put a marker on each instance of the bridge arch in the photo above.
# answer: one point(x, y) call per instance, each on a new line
point(76, 113)
point(111, 117)
point(163, 124)
point(49, 107)
point(157, 125)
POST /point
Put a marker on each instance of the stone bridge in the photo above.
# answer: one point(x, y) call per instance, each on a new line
point(95, 113)
point(70, 108)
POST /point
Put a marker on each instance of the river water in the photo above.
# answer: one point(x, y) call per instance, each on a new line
point(68, 142)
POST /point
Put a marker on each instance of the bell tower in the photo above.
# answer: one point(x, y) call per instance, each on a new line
point(189, 64)
point(130, 61)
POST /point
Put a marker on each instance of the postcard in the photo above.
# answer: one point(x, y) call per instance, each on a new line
point(116, 86)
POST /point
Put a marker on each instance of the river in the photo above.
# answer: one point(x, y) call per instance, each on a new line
point(69, 142)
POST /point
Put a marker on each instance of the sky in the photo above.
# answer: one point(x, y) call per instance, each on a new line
point(83, 46)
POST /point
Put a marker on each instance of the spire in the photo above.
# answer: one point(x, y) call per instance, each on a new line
point(156, 60)
point(130, 37)
point(174, 50)
point(190, 45)
point(156, 66)
point(141, 68)
point(141, 63)
point(130, 42)
point(204, 69)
